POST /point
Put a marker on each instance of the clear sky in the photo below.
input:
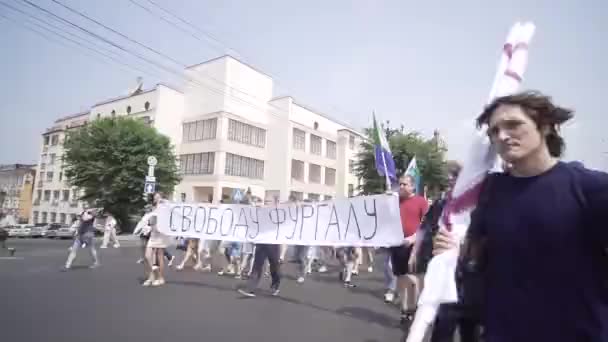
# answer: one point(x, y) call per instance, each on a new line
point(424, 64)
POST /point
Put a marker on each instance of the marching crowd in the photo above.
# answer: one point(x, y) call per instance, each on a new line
point(532, 256)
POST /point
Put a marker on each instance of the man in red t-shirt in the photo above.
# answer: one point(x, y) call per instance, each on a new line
point(412, 208)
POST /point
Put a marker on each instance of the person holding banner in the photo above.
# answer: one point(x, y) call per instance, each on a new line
point(412, 208)
point(538, 234)
point(155, 249)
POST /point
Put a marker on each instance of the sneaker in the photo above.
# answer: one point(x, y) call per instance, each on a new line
point(389, 297)
point(116, 246)
point(158, 282)
point(140, 260)
point(275, 292)
point(300, 280)
point(181, 267)
point(155, 268)
point(170, 260)
point(323, 269)
point(349, 285)
point(407, 317)
point(370, 269)
point(95, 265)
point(246, 293)
point(206, 268)
point(238, 277)
point(147, 283)
point(102, 247)
point(355, 272)
point(65, 268)
point(221, 272)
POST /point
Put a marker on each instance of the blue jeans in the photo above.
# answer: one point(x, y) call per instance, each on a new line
point(390, 281)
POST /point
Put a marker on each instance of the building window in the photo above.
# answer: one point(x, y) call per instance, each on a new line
point(66, 195)
point(38, 195)
point(52, 158)
point(200, 130)
point(35, 217)
point(331, 149)
point(47, 195)
point(351, 166)
point(328, 198)
point(62, 218)
point(246, 134)
point(351, 190)
point(54, 140)
point(315, 144)
point(46, 140)
point(43, 220)
point(296, 195)
point(53, 217)
point(314, 173)
point(297, 170)
point(299, 139)
point(244, 166)
point(330, 176)
point(56, 195)
point(351, 142)
point(197, 164)
point(315, 125)
point(74, 195)
point(49, 176)
point(183, 197)
point(147, 105)
point(60, 176)
point(314, 197)
point(128, 109)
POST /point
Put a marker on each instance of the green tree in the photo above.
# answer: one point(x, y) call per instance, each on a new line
point(430, 158)
point(107, 160)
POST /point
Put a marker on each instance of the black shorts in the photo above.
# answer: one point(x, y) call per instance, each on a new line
point(400, 256)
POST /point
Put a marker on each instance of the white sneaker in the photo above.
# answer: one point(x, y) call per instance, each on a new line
point(246, 293)
point(370, 269)
point(148, 282)
point(389, 297)
point(116, 246)
point(206, 268)
point(171, 261)
point(300, 280)
point(275, 292)
point(158, 282)
point(140, 261)
point(181, 267)
point(323, 269)
point(154, 268)
point(102, 247)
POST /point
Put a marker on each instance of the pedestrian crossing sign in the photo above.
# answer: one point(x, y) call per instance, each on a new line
point(150, 187)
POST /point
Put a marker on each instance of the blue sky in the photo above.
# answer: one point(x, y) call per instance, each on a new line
point(424, 64)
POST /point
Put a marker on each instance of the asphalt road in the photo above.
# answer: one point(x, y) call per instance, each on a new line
point(40, 303)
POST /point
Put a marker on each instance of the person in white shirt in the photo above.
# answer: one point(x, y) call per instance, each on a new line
point(109, 232)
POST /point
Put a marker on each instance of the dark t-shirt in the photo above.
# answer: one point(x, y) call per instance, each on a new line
point(545, 267)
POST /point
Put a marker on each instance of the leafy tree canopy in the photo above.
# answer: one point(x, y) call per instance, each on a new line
point(430, 158)
point(107, 160)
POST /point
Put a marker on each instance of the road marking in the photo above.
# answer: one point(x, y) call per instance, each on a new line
point(11, 258)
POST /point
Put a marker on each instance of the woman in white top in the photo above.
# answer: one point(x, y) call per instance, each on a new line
point(157, 243)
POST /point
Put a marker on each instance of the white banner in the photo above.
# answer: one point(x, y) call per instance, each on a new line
point(358, 221)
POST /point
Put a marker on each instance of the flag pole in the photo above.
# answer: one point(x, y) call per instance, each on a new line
point(387, 178)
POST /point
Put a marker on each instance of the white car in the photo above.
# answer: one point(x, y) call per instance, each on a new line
point(24, 231)
point(65, 232)
point(12, 231)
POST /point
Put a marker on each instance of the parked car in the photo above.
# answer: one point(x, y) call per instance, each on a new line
point(37, 231)
point(24, 231)
point(12, 231)
point(52, 229)
point(65, 232)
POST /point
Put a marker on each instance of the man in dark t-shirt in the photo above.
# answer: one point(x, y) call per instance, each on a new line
point(543, 228)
